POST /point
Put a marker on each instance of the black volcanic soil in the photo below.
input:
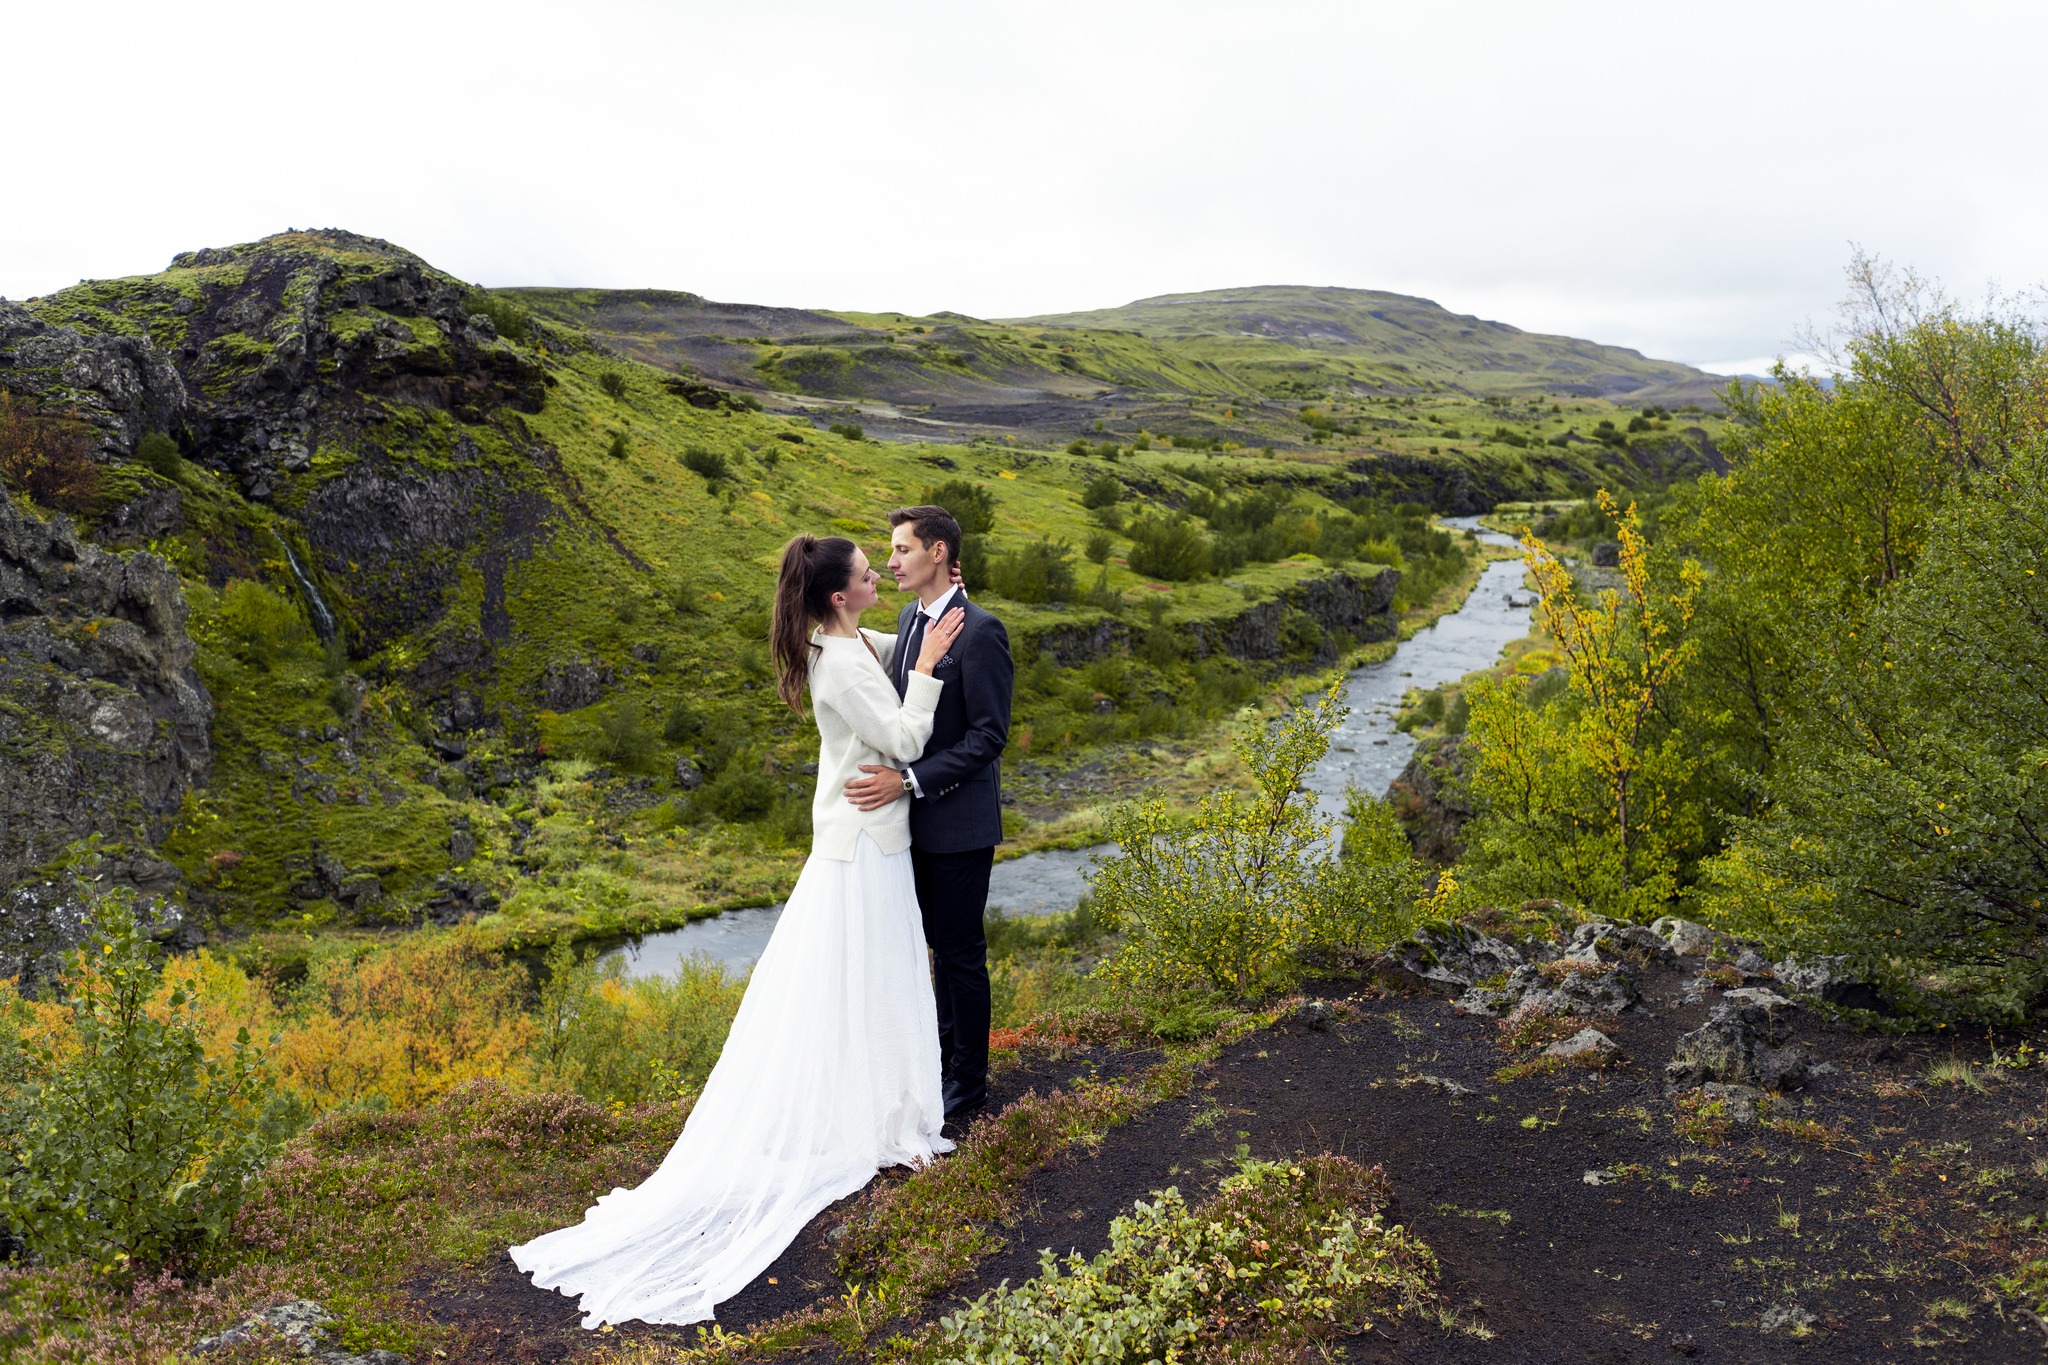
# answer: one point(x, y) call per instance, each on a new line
point(1879, 1230)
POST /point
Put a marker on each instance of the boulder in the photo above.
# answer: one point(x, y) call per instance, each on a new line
point(1586, 1040)
point(571, 687)
point(1786, 1315)
point(158, 513)
point(1448, 959)
point(1315, 1014)
point(1828, 979)
point(1724, 1048)
point(1738, 1102)
point(1606, 940)
point(1576, 992)
point(1750, 962)
point(457, 899)
point(1607, 555)
point(689, 776)
point(1686, 938)
point(304, 1327)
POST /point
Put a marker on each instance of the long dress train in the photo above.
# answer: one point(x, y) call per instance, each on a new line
point(831, 1072)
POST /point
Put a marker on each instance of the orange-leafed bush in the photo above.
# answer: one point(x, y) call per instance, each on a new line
point(46, 456)
point(405, 1024)
point(1030, 1033)
point(225, 999)
point(30, 1029)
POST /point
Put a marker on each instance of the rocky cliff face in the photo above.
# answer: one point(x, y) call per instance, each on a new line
point(1431, 800)
point(124, 386)
point(103, 722)
point(1337, 606)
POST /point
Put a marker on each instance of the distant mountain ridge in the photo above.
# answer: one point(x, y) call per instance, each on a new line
point(1391, 338)
point(1267, 350)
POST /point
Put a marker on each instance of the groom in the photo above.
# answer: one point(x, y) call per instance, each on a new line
point(954, 790)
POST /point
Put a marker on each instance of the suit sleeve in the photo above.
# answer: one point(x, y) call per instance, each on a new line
point(896, 730)
point(986, 676)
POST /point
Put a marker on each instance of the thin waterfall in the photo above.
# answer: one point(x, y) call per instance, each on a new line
point(323, 619)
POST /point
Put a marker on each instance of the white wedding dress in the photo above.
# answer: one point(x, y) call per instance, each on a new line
point(830, 1073)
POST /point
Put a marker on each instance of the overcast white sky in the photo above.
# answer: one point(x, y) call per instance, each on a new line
point(1685, 180)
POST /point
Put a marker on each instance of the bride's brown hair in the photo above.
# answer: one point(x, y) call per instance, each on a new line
point(812, 570)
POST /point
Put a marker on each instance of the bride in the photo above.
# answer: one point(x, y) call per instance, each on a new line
point(831, 1071)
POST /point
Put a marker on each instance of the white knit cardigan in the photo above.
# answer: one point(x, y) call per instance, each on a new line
point(861, 721)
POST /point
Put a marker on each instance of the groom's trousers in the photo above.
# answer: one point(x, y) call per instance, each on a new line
point(952, 896)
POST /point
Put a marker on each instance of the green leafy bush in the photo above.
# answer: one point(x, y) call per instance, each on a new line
point(511, 319)
point(1099, 547)
point(1104, 490)
point(1041, 571)
point(617, 1038)
point(972, 505)
point(1285, 1258)
point(139, 1145)
point(160, 453)
point(1912, 793)
point(263, 626)
point(1228, 896)
point(619, 448)
point(1300, 635)
point(623, 736)
point(736, 796)
point(709, 464)
point(1168, 549)
point(850, 430)
point(613, 383)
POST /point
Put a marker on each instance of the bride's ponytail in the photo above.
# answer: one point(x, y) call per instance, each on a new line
point(812, 570)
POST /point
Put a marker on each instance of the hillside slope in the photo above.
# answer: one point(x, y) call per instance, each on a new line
point(477, 601)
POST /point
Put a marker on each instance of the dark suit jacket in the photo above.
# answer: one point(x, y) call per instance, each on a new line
point(961, 772)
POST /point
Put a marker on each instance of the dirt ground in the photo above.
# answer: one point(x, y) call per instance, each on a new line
point(1874, 1200)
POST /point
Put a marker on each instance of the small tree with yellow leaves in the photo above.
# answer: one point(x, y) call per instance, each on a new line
point(1228, 896)
point(1584, 797)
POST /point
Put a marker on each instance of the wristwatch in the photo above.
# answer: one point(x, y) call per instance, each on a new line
point(908, 790)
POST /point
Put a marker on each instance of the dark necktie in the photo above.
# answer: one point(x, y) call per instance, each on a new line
point(908, 653)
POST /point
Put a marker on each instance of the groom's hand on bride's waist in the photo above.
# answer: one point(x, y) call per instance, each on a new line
point(878, 788)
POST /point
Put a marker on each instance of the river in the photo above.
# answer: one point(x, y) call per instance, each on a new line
point(1366, 750)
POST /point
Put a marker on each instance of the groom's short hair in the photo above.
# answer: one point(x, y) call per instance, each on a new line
point(929, 524)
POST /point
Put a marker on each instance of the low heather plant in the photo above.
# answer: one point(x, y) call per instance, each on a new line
point(1285, 1257)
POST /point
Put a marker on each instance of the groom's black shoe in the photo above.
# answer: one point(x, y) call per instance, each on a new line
point(960, 1101)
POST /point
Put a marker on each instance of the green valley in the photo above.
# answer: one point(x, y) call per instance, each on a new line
point(478, 580)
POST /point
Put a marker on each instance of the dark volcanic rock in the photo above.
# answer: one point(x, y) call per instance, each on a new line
point(124, 386)
point(571, 687)
point(103, 722)
point(1363, 609)
point(1740, 1044)
point(1431, 800)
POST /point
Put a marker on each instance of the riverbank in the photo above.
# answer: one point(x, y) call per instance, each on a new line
point(1063, 807)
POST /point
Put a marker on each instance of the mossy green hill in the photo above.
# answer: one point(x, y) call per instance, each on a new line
point(546, 555)
point(1298, 338)
point(1264, 353)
